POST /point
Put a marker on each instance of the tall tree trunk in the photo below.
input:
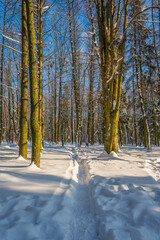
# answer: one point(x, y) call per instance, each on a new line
point(74, 78)
point(35, 128)
point(59, 105)
point(40, 59)
point(155, 47)
point(121, 133)
point(109, 66)
point(72, 119)
point(11, 107)
point(134, 108)
point(16, 111)
point(82, 108)
point(9, 104)
point(147, 142)
point(90, 103)
point(14, 117)
point(24, 86)
point(1, 75)
point(55, 102)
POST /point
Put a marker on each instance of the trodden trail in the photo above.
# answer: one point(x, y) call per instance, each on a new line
point(77, 219)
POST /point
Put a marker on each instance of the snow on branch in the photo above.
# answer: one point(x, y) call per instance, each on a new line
point(115, 70)
point(10, 38)
point(45, 9)
point(11, 48)
point(148, 21)
point(142, 10)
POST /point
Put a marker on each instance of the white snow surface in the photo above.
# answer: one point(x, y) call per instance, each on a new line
point(80, 194)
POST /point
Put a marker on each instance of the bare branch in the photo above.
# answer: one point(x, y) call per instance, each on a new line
point(50, 6)
point(15, 88)
point(10, 38)
point(11, 48)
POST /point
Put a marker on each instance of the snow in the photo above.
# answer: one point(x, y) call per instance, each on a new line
point(14, 40)
point(21, 158)
point(80, 193)
point(114, 105)
point(46, 7)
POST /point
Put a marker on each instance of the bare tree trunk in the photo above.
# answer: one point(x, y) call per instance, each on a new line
point(1, 75)
point(134, 109)
point(91, 103)
point(75, 85)
point(59, 105)
point(155, 47)
point(82, 108)
point(35, 129)
point(72, 120)
point(24, 86)
point(121, 133)
point(146, 126)
point(55, 103)
point(15, 100)
point(9, 104)
point(40, 59)
point(111, 67)
point(14, 117)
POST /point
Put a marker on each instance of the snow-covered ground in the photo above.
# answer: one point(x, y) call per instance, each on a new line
point(80, 193)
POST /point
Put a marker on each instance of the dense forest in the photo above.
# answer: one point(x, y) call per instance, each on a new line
point(79, 71)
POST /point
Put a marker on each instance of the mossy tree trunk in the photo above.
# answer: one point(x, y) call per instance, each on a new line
point(35, 127)
point(24, 86)
point(111, 65)
point(121, 140)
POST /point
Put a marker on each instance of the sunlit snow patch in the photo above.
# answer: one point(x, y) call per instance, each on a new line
point(105, 156)
point(113, 154)
point(33, 167)
point(21, 158)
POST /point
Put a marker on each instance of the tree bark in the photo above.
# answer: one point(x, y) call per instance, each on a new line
point(134, 108)
point(40, 59)
point(74, 78)
point(24, 86)
point(55, 102)
point(111, 68)
point(147, 142)
point(1, 75)
point(59, 104)
point(90, 129)
point(35, 128)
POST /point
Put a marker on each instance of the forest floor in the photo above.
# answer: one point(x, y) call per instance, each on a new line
point(80, 194)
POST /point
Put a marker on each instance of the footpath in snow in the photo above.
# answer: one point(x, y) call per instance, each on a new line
point(50, 203)
point(80, 194)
